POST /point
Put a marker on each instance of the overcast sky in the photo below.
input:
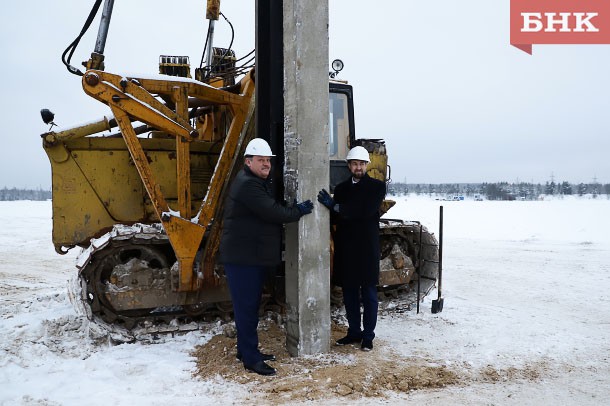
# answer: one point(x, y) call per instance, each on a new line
point(437, 79)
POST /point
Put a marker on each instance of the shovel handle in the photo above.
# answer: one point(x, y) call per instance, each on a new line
point(440, 253)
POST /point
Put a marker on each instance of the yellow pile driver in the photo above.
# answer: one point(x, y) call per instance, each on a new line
point(142, 192)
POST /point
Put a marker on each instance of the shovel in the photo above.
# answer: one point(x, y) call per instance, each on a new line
point(437, 305)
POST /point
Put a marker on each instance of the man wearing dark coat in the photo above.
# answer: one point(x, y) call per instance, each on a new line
point(355, 212)
point(251, 244)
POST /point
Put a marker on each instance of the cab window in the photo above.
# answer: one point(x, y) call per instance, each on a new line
point(338, 125)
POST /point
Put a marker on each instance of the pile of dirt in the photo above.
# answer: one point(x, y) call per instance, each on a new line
point(345, 371)
point(529, 372)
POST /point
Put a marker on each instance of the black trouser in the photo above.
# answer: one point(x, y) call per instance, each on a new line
point(246, 286)
point(351, 300)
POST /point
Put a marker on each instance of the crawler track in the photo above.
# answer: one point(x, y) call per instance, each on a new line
point(126, 280)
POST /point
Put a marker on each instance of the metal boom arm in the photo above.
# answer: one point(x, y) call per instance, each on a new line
point(132, 100)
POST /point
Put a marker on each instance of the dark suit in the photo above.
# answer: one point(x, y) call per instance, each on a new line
point(249, 246)
point(252, 224)
point(357, 251)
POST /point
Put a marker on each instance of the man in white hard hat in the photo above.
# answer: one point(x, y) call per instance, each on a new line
point(251, 245)
point(355, 212)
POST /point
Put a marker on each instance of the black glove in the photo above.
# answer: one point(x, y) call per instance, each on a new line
point(305, 207)
point(326, 199)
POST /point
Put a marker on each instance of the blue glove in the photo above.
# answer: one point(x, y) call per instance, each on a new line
point(305, 207)
point(325, 198)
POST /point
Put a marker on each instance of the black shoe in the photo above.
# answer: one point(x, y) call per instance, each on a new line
point(260, 368)
point(348, 340)
point(367, 345)
point(266, 357)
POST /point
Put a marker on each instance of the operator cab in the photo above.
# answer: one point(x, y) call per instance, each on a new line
point(342, 137)
point(341, 130)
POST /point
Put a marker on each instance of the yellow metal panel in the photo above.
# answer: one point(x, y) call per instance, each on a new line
point(139, 159)
point(185, 238)
point(78, 214)
point(103, 167)
point(57, 152)
point(104, 170)
point(377, 167)
point(182, 153)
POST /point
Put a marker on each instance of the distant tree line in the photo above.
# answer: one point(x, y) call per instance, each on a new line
point(24, 194)
point(501, 190)
point(490, 191)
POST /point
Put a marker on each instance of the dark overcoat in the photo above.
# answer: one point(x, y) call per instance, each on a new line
point(252, 225)
point(356, 237)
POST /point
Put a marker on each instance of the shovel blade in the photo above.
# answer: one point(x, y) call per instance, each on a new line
point(437, 305)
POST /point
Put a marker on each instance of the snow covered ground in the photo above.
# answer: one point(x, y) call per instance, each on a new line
point(526, 318)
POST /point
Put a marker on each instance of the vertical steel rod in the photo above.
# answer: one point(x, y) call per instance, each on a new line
point(210, 40)
point(102, 33)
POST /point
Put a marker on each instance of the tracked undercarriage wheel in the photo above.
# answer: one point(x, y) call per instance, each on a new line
point(401, 249)
point(196, 310)
point(336, 295)
point(225, 310)
point(106, 271)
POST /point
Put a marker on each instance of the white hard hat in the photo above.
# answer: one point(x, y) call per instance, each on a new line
point(258, 146)
point(358, 153)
